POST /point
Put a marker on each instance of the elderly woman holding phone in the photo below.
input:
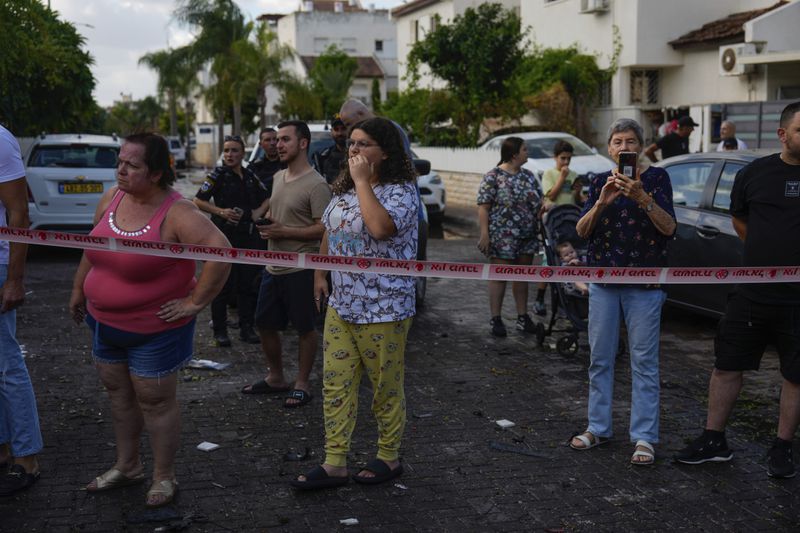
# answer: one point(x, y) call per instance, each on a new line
point(628, 220)
point(141, 310)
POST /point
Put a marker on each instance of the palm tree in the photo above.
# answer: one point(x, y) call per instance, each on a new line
point(164, 63)
point(268, 68)
point(220, 24)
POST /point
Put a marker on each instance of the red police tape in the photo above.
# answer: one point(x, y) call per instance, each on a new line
point(430, 269)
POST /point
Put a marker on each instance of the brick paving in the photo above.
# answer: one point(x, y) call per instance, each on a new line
point(459, 381)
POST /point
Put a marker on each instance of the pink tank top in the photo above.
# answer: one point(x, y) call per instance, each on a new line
point(126, 291)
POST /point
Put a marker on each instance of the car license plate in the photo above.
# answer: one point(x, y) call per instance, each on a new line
point(83, 187)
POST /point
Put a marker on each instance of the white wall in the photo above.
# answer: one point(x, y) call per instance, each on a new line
point(778, 29)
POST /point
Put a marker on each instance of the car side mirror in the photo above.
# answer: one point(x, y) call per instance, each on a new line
point(423, 166)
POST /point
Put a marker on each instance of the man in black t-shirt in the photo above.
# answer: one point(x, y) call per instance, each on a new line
point(675, 143)
point(266, 167)
point(765, 206)
point(328, 162)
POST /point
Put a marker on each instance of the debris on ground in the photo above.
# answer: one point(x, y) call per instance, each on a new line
point(206, 446)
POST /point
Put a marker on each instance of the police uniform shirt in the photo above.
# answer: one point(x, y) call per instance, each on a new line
point(229, 190)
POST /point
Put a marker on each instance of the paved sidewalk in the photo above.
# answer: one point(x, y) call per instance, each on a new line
point(459, 381)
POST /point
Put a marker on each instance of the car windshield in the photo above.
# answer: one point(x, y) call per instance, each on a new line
point(74, 156)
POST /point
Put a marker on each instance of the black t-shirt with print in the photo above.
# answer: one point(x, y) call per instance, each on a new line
point(229, 190)
point(766, 195)
point(673, 144)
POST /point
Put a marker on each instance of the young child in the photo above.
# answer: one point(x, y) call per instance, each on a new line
point(569, 257)
point(557, 182)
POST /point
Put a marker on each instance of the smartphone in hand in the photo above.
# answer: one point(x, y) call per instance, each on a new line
point(627, 164)
point(263, 222)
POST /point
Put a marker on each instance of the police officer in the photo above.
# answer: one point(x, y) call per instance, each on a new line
point(239, 199)
point(328, 162)
point(266, 167)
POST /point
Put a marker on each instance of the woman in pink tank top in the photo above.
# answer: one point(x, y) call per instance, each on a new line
point(141, 310)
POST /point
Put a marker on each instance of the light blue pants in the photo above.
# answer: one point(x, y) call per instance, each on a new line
point(641, 309)
point(19, 419)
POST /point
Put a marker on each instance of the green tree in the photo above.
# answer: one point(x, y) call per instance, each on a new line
point(478, 56)
point(267, 68)
point(177, 74)
point(45, 78)
point(125, 118)
point(331, 77)
point(297, 100)
point(574, 71)
point(219, 24)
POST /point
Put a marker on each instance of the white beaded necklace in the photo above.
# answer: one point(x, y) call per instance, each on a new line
point(124, 233)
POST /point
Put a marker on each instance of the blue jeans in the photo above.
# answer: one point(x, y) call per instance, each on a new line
point(19, 419)
point(641, 309)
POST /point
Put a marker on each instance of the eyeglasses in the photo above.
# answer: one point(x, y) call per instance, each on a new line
point(358, 144)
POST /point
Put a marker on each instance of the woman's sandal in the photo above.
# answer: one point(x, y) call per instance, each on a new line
point(114, 479)
point(588, 439)
point(161, 493)
point(648, 454)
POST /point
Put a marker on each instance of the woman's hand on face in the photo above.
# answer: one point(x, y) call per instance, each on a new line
point(321, 291)
point(77, 306)
point(180, 308)
point(360, 169)
point(483, 244)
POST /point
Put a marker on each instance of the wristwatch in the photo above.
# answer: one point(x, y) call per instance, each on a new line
point(649, 206)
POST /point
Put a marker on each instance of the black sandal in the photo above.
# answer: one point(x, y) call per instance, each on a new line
point(318, 478)
point(381, 470)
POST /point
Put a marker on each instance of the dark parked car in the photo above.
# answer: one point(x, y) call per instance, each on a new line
point(701, 194)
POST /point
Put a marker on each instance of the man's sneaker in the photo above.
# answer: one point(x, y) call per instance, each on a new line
point(524, 323)
point(498, 328)
point(779, 459)
point(539, 308)
point(222, 340)
point(707, 448)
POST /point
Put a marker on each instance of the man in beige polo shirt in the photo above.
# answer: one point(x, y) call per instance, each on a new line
point(299, 197)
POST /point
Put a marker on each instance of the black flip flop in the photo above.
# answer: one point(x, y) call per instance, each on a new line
point(318, 478)
point(262, 387)
point(382, 473)
point(300, 395)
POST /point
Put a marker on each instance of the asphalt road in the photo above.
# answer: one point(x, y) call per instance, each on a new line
point(463, 473)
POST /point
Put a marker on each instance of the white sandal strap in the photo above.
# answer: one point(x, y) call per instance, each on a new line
point(584, 440)
point(645, 444)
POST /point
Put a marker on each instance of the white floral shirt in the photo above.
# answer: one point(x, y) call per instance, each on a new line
point(364, 297)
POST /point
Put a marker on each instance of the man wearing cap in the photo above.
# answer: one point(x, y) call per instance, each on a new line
point(675, 143)
point(328, 162)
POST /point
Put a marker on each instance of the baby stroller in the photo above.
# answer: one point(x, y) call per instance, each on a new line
point(559, 226)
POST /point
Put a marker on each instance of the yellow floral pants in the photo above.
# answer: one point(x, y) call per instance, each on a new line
point(348, 349)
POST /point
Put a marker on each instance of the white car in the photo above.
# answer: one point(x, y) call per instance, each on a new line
point(431, 191)
point(67, 174)
point(177, 150)
point(585, 160)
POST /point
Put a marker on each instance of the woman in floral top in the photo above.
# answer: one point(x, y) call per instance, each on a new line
point(628, 222)
point(509, 200)
point(373, 213)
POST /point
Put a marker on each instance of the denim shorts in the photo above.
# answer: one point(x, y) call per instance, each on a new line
point(147, 355)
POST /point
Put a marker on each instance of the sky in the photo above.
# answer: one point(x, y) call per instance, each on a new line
point(119, 32)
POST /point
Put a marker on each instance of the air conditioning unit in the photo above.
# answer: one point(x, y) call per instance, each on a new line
point(729, 59)
point(594, 6)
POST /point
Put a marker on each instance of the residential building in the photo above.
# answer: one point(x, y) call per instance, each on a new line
point(366, 34)
point(671, 56)
point(415, 19)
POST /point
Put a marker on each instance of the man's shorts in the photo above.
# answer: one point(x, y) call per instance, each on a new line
point(286, 298)
point(147, 355)
point(746, 330)
point(511, 247)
